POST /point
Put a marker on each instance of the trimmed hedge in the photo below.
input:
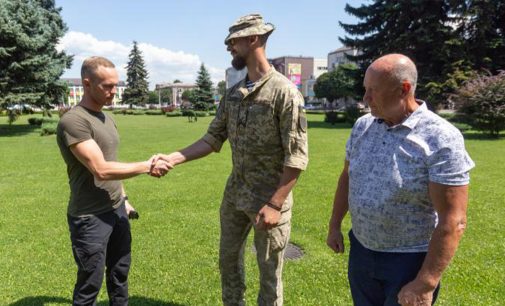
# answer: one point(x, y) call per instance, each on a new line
point(154, 112)
point(201, 114)
point(128, 112)
point(39, 121)
point(174, 114)
point(48, 128)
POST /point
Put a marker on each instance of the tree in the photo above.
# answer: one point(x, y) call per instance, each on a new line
point(339, 83)
point(203, 91)
point(190, 96)
point(165, 95)
point(484, 30)
point(422, 30)
point(482, 101)
point(221, 88)
point(30, 64)
point(137, 91)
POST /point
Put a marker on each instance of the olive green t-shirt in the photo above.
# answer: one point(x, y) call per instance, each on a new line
point(88, 195)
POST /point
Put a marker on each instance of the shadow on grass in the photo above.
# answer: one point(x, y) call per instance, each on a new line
point(44, 300)
point(324, 125)
point(481, 136)
point(16, 129)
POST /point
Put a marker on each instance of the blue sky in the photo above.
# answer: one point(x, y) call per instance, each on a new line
point(177, 36)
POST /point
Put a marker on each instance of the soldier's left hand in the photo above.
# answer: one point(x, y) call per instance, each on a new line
point(267, 218)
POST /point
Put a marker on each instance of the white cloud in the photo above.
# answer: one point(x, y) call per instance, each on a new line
point(163, 65)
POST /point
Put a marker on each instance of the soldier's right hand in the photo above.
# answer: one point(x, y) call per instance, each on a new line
point(159, 167)
point(335, 240)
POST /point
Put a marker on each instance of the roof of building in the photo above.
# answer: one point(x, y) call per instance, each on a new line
point(341, 50)
point(172, 85)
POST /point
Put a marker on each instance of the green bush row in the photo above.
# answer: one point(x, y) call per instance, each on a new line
point(129, 112)
point(39, 121)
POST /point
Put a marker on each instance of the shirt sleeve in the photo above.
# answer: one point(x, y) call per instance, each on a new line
point(293, 130)
point(74, 130)
point(450, 164)
point(217, 132)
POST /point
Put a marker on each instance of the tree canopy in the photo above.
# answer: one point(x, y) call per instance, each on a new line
point(339, 83)
point(30, 64)
point(446, 39)
point(137, 91)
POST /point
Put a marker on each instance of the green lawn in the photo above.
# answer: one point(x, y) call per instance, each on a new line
point(175, 245)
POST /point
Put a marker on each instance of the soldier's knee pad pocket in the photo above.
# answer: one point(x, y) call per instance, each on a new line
point(278, 237)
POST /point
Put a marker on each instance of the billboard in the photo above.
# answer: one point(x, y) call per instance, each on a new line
point(295, 74)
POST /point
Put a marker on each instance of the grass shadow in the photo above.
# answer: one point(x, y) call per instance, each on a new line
point(324, 125)
point(133, 301)
point(481, 136)
point(16, 129)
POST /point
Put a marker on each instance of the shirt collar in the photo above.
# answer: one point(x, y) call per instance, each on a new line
point(414, 118)
point(243, 89)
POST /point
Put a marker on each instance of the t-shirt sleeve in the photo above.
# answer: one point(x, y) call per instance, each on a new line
point(73, 129)
point(450, 164)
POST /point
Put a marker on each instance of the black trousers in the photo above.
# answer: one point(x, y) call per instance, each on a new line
point(101, 242)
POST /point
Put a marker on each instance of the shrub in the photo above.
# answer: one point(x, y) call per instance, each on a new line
point(212, 113)
point(35, 121)
point(168, 109)
point(201, 114)
point(136, 112)
point(188, 112)
point(352, 113)
point(48, 128)
point(13, 115)
point(482, 101)
point(154, 112)
point(173, 114)
point(334, 117)
point(49, 120)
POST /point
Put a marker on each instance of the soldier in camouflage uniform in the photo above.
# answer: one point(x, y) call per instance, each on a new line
point(262, 116)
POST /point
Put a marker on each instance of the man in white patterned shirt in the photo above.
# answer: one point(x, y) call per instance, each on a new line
point(405, 184)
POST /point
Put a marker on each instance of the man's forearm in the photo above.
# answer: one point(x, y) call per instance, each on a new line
point(197, 150)
point(287, 182)
point(108, 171)
point(341, 200)
point(442, 247)
point(450, 203)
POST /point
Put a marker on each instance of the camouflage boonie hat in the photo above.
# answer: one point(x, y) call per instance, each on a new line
point(249, 25)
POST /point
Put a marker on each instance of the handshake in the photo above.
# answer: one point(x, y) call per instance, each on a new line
point(160, 164)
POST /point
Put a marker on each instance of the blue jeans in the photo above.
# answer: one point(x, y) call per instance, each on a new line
point(376, 278)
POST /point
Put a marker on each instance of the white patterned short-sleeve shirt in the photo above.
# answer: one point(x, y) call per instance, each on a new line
point(389, 172)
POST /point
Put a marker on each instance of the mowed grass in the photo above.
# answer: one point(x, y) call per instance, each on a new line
point(175, 241)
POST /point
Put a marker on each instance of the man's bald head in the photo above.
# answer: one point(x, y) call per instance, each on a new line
point(398, 67)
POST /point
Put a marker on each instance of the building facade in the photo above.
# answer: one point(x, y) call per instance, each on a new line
point(76, 91)
point(297, 69)
point(338, 57)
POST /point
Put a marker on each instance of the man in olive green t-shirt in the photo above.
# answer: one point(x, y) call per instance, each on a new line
point(98, 208)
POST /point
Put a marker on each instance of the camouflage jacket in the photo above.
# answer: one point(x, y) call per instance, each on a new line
point(267, 130)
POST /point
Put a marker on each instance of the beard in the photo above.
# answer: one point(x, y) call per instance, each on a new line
point(238, 62)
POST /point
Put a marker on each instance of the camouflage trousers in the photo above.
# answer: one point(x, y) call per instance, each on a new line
point(270, 246)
